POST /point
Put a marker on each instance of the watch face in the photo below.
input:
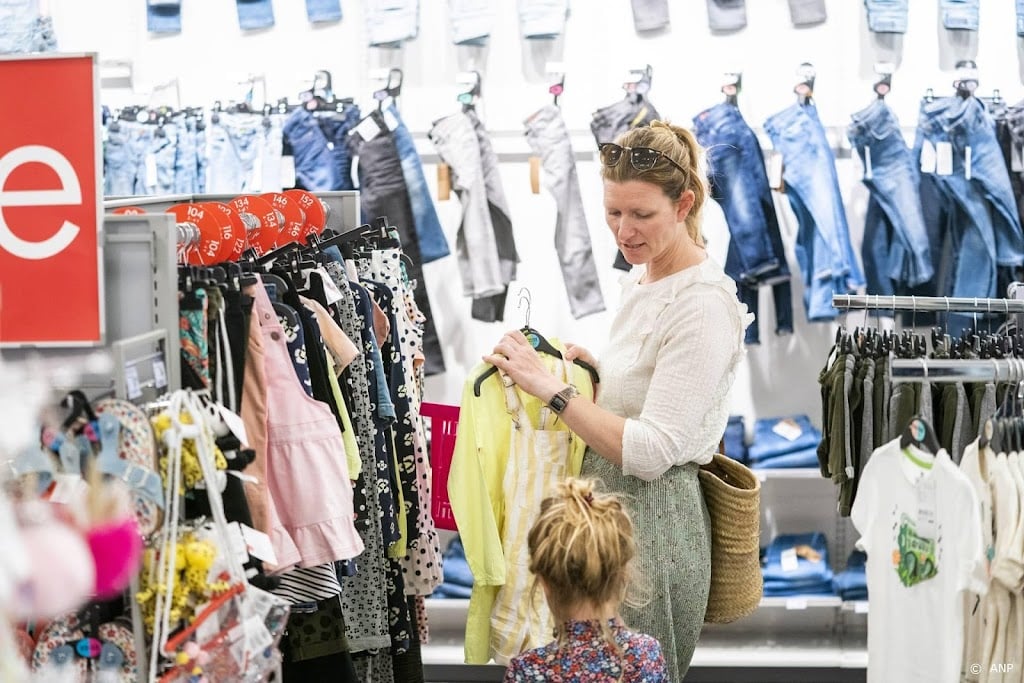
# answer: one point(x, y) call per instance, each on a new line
point(558, 403)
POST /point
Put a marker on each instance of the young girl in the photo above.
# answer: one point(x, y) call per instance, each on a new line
point(581, 552)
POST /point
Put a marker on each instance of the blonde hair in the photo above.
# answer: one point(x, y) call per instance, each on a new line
point(682, 147)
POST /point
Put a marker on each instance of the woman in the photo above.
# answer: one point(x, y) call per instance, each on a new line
point(662, 406)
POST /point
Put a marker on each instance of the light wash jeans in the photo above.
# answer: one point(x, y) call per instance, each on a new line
point(137, 161)
point(960, 14)
point(542, 19)
point(23, 30)
point(727, 15)
point(244, 154)
point(650, 15)
point(548, 137)
point(472, 21)
point(255, 14)
point(389, 23)
point(887, 16)
point(322, 11)
point(163, 16)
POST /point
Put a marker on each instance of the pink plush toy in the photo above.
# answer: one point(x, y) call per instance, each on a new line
point(117, 553)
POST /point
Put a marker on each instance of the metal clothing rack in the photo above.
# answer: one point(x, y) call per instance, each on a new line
point(926, 303)
point(918, 370)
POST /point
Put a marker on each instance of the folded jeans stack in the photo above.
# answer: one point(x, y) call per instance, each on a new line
point(797, 564)
point(852, 582)
point(458, 579)
point(735, 444)
point(784, 442)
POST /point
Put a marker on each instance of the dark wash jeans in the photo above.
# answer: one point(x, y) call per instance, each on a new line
point(739, 184)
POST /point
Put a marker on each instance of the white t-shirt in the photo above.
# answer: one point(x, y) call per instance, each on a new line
point(919, 521)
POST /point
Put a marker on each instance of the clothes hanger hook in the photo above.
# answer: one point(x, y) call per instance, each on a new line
point(525, 296)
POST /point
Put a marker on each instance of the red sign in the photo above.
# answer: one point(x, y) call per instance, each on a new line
point(50, 202)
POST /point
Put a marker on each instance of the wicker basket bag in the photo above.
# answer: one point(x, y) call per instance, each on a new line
point(733, 497)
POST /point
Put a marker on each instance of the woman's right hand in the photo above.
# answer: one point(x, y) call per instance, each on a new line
point(573, 352)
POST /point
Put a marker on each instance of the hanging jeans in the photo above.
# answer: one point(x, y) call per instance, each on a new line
point(823, 247)
point(960, 14)
point(389, 23)
point(23, 29)
point(484, 245)
point(537, 459)
point(244, 154)
point(472, 21)
point(739, 184)
point(549, 138)
point(650, 15)
point(887, 16)
point(255, 14)
point(320, 149)
point(163, 16)
point(384, 193)
point(727, 15)
point(433, 245)
point(985, 226)
point(895, 250)
point(139, 159)
point(323, 11)
point(542, 19)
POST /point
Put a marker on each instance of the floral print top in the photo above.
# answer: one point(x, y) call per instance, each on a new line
point(587, 657)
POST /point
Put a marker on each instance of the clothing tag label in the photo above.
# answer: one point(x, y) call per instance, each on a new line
point(796, 603)
point(860, 607)
point(331, 291)
point(236, 538)
point(367, 129)
point(967, 163)
point(787, 429)
point(151, 173)
point(159, 373)
point(868, 174)
point(389, 120)
point(234, 423)
point(68, 488)
point(258, 544)
point(209, 627)
point(257, 634)
point(927, 157)
point(789, 560)
point(131, 383)
point(944, 158)
point(926, 508)
point(1017, 158)
point(775, 169)
point(288, 171)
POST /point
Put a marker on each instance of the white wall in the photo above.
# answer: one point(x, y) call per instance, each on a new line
point(212, 55)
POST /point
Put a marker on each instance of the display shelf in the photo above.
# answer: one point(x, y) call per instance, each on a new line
point(857, 606)
point(789, 473)
point(798, 602)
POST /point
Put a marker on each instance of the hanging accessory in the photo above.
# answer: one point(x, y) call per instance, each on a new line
point(804, 89)
point(883, 83)
point(732, 83)
point(469, 98)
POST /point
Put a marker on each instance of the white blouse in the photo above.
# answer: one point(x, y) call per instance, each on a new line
point(669, 365)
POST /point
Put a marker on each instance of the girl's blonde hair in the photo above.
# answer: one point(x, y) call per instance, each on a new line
point(682, 147)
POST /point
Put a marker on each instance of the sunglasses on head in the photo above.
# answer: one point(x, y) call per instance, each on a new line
point(642, 158)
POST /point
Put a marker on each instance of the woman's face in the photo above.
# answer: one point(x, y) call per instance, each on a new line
point(648, 226)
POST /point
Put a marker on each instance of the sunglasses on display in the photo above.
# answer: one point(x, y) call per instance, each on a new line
point(642, 158)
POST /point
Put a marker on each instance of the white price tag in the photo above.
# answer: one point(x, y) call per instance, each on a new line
point(868, 173)
point(257, 634)
point(860, 607)
point(151, 174)
point(159, 373)
point(967, 162)
point(331, 291)
point(944, 158)
point(775, 169)
point(927, 157)
point(796, 603)
point(367, 129)
point(926, 509)
point(788, 429)
point(789, 561)
point(288, 171)
point(389, 119)
point(235, 424)
point(236, 537)
point(131, 383)
point(258, 545)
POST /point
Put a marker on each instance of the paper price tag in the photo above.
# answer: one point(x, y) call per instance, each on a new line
point(159, 374)
point(367, 129)
point(789, 560)
point(288, 171)
point(927, 157)
point(389, 120)
point(236, 537)
point(926, 509)
point(151, 174)
point(331, 291)
point(257, 634)
point(258, 545)
point(967, 162)
point(131, 383)
point(235, 424)
point(796, 603)
point(775, 170)
point(787, 429)
point(944, 158)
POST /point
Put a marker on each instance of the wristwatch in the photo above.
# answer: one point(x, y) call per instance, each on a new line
point(560, 400)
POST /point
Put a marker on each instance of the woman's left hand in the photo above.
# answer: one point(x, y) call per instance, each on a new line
point(517, 358)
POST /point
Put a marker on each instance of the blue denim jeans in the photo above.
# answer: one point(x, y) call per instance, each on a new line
point(982, 208)
point(739, 184)
point(960, 14)
point(650, 15)
point(806, 457)
point(887, 16)
point(137, 161)
point(255, 14)
point(163, 16)
point(853, 579)
point(23, 29)
point(389, 23)
point(736, 439)
point(322, 158)
point(472, 21)
point(322, 11)
point(433, 245)
point(895, 250)
point(186, 167)
point(540, 19)
point(785, 589)
point(245, 154)
point(768, 442)
point(807, 570)
point(823, 247)
point(1020, 17)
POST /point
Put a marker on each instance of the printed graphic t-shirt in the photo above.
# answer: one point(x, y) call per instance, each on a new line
point(920, 524)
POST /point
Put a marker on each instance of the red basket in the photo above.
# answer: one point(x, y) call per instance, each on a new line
point(443, 421)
